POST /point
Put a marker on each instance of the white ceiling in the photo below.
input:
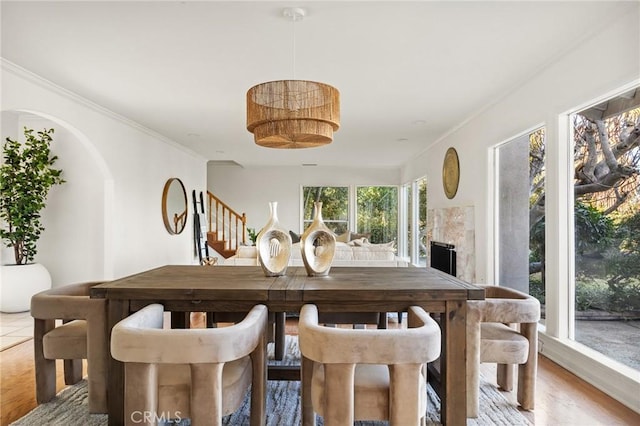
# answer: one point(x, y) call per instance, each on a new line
point(408, 72)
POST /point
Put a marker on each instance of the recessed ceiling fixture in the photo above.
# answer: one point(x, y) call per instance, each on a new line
point(293, 114)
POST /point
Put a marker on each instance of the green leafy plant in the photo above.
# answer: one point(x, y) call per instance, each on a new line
point(26, 176)
point(252, 234)
point(594, 229)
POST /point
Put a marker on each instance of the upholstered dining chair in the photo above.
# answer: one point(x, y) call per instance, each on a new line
point(69, 325)
point(201, 373)
point(275, 331)
point(354, 374)
point(503, 329)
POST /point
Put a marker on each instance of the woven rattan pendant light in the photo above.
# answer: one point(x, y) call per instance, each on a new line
point(293, 114)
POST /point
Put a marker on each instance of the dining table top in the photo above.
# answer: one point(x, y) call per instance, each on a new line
point(195, 282)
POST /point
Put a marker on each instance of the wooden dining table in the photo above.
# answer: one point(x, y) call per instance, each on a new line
point(192, 288)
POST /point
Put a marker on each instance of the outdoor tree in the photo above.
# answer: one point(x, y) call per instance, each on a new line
point(606, 190)
point(335, 205)
point(378, 212)
point(606, 166)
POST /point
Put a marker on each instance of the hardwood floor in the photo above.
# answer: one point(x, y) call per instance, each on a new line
point(561, 397)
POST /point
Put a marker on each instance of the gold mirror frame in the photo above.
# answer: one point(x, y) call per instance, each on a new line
point(174, 206)
point(450, 173)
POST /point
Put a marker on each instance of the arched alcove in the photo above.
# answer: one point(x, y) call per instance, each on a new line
point(76, 244)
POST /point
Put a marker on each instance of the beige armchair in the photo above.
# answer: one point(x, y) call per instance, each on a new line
point(503, 329)
point(202, 373)
point(357, 374)
point(276, 327)
point(80, 336)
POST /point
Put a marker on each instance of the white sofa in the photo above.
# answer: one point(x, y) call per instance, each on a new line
point(354, 253)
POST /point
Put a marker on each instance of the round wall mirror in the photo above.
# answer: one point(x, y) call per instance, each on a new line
point(174, 206)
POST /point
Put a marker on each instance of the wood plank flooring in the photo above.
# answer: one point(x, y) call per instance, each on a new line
point(561, 397)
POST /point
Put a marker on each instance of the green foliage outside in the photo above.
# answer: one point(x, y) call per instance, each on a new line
point(335, 206)
point(26, 176)
point(422, 218)
point(597, 294)
point(593, 229)
point(624, 263)
point(377, 212)
point(536, 287)
point(607, 260)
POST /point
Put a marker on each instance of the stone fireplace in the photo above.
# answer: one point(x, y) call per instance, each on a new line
point(455, 225)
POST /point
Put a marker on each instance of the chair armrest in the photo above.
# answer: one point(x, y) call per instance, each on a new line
point(506, 305)
point(140, 338)
point(418, 344)
point(67, 302)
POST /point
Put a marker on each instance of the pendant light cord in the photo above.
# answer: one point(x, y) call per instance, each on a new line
point(293, 47)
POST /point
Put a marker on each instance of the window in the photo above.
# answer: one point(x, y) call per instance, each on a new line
point(377, 212)
point(335, 206)
point(406, 221)
point(537, 173)
point(413, 222)
point(519, 230)
point(421, 223)
point(606, 217)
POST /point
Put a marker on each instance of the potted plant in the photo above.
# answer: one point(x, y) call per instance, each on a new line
point(26, 176)
point(252, 235)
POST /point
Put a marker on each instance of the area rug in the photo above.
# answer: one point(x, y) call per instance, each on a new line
point(70, 406)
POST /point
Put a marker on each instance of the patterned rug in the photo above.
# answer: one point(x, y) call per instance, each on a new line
point(70, 406)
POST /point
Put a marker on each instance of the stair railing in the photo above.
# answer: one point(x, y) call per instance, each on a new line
point(226, 223)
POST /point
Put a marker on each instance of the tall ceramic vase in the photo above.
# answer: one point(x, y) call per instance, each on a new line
point(274, 245)
point(318, 245)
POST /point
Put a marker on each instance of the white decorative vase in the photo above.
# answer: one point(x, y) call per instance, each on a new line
point(274, 245)
point(318, 245)
point(19, 283)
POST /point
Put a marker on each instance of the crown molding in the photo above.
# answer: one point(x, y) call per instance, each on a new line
point(25, 74)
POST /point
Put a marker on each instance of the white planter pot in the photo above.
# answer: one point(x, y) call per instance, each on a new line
point(19, 283)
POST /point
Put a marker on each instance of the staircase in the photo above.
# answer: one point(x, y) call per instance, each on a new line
point(227, 228)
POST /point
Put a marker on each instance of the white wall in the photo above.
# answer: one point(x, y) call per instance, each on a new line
point(250, 189)
point(106, 221)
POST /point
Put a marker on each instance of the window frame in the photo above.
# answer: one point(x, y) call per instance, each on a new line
point(352, 206)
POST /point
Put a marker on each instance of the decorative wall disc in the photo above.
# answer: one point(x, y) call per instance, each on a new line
point(450, 173)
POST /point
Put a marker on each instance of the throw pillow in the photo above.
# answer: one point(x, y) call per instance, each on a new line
point(355, 236)
point(343, 238)
point(391, 245)
point(360, 242)
point(295, 238)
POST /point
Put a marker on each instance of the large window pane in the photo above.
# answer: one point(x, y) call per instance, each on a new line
point(607, 228)
point(377, 212)
point(335, 206)
point(536, 216)
point(520, 208)
point(410, 225)
point(422, 221)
